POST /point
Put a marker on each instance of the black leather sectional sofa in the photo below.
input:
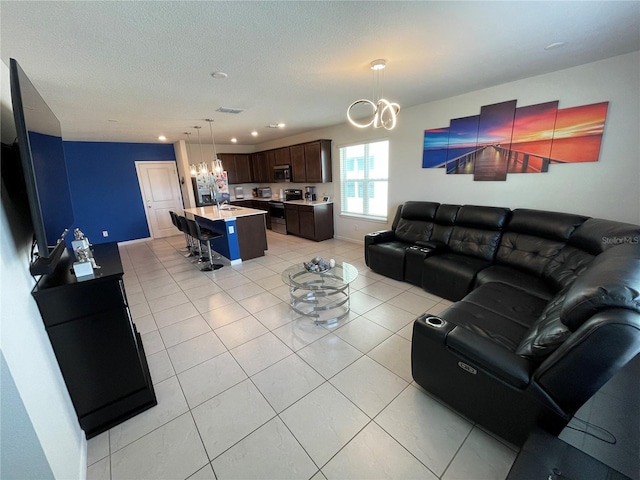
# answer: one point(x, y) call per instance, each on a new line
point(547, 308)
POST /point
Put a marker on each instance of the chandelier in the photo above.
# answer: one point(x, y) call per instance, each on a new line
point(385, 113)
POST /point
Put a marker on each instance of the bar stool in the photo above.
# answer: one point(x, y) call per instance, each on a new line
point(176, 223)
point(191, 245)
point(204, 235)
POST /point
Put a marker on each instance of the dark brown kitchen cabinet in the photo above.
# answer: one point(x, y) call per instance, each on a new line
point(243, 168)
point(261, 172)
point(317, 158)
point(314, 222)
point(237, 166)
point(298, 163)
point(229, 164)
point(95, 341)
point(293, 219)
point(271, 161)
point(283, 156)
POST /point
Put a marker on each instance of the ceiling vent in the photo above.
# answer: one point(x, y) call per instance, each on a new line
point(230, 110)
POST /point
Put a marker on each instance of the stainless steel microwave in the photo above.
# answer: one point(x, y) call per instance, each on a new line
point(282, 173)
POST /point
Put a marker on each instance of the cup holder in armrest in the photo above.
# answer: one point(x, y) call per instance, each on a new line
point(435, 322)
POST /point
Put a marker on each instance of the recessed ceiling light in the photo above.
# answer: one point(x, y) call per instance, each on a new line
point(162, 137)
point(276, 125)
point(112, 120)
point(219, 75)
point(554, 45)
point(254, 133)
point(234, 140)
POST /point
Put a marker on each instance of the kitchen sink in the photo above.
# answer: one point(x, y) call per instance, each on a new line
point(229, 208)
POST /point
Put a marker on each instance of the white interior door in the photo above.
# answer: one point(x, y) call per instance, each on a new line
point(160, 190)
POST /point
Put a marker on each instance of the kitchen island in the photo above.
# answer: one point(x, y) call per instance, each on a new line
point(243, 231)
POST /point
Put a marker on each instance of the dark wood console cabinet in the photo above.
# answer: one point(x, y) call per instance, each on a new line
point(95, 341)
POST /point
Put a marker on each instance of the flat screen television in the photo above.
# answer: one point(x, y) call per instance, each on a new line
point(45, 171)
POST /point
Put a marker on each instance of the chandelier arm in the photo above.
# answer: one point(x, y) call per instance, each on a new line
point(352, 121)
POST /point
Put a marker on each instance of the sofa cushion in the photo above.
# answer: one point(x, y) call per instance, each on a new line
point(516, 278)
point(416, 222)
point(496, 328)
point(487, 218)
point(450, 275)
point(388, 258)
point(612, 280)
point(518, 305)
point(565, 267)
point(597, 235)
point(540, 223)
point(527, 252)
point(547, 333)
point(443, 223)
point(474, 242)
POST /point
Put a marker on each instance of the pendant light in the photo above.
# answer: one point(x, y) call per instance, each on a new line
point(192, 167)
point(216, 165)
point(202, 167)
point(385, 113)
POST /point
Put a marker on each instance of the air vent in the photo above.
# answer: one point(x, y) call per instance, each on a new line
point(230, 110)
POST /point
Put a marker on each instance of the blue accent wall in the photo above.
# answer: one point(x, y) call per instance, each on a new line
point(104, 187)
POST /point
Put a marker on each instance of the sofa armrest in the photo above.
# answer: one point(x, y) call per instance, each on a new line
point(492, 358)
point(380, 236)
point(376, 237)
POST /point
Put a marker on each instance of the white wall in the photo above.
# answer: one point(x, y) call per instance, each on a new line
point(24, 342)
point(607, 189)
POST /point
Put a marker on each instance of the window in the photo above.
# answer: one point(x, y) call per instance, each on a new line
point(364, 172)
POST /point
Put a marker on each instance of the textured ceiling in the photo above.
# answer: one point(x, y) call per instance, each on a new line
point(131, 71)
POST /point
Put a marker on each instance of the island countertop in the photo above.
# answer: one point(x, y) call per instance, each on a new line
point(224, 214)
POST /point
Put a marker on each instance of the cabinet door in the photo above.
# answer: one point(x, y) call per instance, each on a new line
point(283, 156)
point(243, 168)
point(298, 163)
point(293, 220)
point(318, 161)
point(260, 167)
point(99, 359)
point(271, 162)
point(307, 223)
point(229, 165)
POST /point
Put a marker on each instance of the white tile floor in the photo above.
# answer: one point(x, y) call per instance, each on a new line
point(246, 389)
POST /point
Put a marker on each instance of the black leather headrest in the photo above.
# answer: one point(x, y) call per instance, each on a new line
point(611, 281)
point(597, 235)
point(488, 218)
point(419, 210)
point(551, 225)
point(446, 214)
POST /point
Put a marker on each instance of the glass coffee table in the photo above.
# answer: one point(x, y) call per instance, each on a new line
point(323, 296)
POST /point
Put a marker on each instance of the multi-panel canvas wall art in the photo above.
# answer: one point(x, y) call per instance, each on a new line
point(505, 139)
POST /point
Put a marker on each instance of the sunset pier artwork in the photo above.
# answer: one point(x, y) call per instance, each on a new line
point(504, 139)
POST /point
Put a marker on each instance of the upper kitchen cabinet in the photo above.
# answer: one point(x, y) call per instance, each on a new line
point(237, 166)
point(260, 168)
point(283, 156)
point(298, 163)
point(317, 159)
point(310, 162)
